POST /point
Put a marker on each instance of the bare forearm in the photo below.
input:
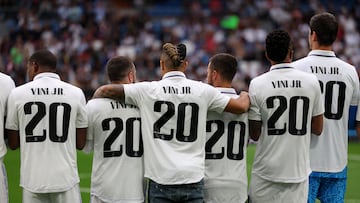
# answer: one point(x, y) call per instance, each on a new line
point(358, 129)
point(317, 124)
point(113, 91)
point(80, 138)
point(14, 139)
point(239, 105)
point(254, 129)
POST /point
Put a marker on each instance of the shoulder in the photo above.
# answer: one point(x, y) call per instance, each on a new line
point(6, 79)
point(302, 64)
point(260, 78)
point(72, 89)
point(98, 102)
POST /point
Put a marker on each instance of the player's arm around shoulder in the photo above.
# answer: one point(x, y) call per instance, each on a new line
point(113, 91)
point(239, 105)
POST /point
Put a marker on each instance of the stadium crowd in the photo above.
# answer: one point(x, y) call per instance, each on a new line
point(85, 34)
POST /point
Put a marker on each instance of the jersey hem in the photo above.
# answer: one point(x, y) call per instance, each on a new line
point(49, 190)
point(104, 199)
point(282, 180)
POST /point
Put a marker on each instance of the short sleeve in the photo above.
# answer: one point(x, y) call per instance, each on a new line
point(12, 121)
point(254, 110)
point(82, 118)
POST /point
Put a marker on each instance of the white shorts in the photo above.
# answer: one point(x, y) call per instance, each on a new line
point(73, 195)
point(262, 190)
point(228, 195)
point(3, 184)
point(95, 199)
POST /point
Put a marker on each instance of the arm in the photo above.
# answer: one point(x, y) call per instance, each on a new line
point(80, 138)
point(239, 105)
point(14, 138)
point(254, 129)
point(358, 129)
point(113, 91)
point(317, 124)
point(89, 146)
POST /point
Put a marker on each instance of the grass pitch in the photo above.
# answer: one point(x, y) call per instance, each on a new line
point(12, 163)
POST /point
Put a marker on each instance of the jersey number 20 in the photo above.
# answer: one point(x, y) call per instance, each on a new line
point(180, 121)
point(52, 123)
point(231, 136)
point(129, 137)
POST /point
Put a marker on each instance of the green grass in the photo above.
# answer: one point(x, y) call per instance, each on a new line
point(12, 162)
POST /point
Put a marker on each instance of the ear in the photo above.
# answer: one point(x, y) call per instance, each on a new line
point(36, 67)
point(266, 55)
point(214, 75)
point(162, 65)
point(184, 65)
point(291, 54)
point(131, 77)
point(313, 36)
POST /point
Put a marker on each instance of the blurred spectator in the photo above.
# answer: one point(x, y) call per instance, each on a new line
point(85, 34)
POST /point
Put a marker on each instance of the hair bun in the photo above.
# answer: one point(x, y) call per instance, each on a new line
point(181, 48)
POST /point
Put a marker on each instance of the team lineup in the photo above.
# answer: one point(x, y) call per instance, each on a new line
point(178, 140)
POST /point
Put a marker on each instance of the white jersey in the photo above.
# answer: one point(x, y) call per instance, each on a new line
point(6, 84)
point(115, 135)
point(340, 89)
point(173, 111)
point(284, 100)
point(46, 112)
point(225, 164)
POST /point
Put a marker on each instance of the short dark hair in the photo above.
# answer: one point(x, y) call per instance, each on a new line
point(44, 58)
point(225, 64)
point(325, 26)
point(278, 44)
point(118, 67)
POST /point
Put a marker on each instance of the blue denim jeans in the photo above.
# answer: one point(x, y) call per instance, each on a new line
point(185, 193)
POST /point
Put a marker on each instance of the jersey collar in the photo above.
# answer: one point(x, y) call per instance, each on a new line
point(281, 66)
point(224, 90)
point(174, 74)
point(47, 74)
point(322, 53)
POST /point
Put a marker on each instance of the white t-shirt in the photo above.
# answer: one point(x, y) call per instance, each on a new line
point(225, 164)
point(114, 134)
point(340, 89)
point(285, 100)
point(46, 112)
point(6, 84)
point(173, 111)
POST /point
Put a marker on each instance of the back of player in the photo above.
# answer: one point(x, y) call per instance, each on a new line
point(44, 116)
point(284, 103)
point(227, 135)
point(114, 134)
point(6, 84)
point(173, 113)
point(340, 88)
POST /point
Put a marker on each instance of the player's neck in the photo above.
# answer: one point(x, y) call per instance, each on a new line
point(317, 46)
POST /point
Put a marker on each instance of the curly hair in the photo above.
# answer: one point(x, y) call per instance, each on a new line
point(278, 44)
point(44, 58)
